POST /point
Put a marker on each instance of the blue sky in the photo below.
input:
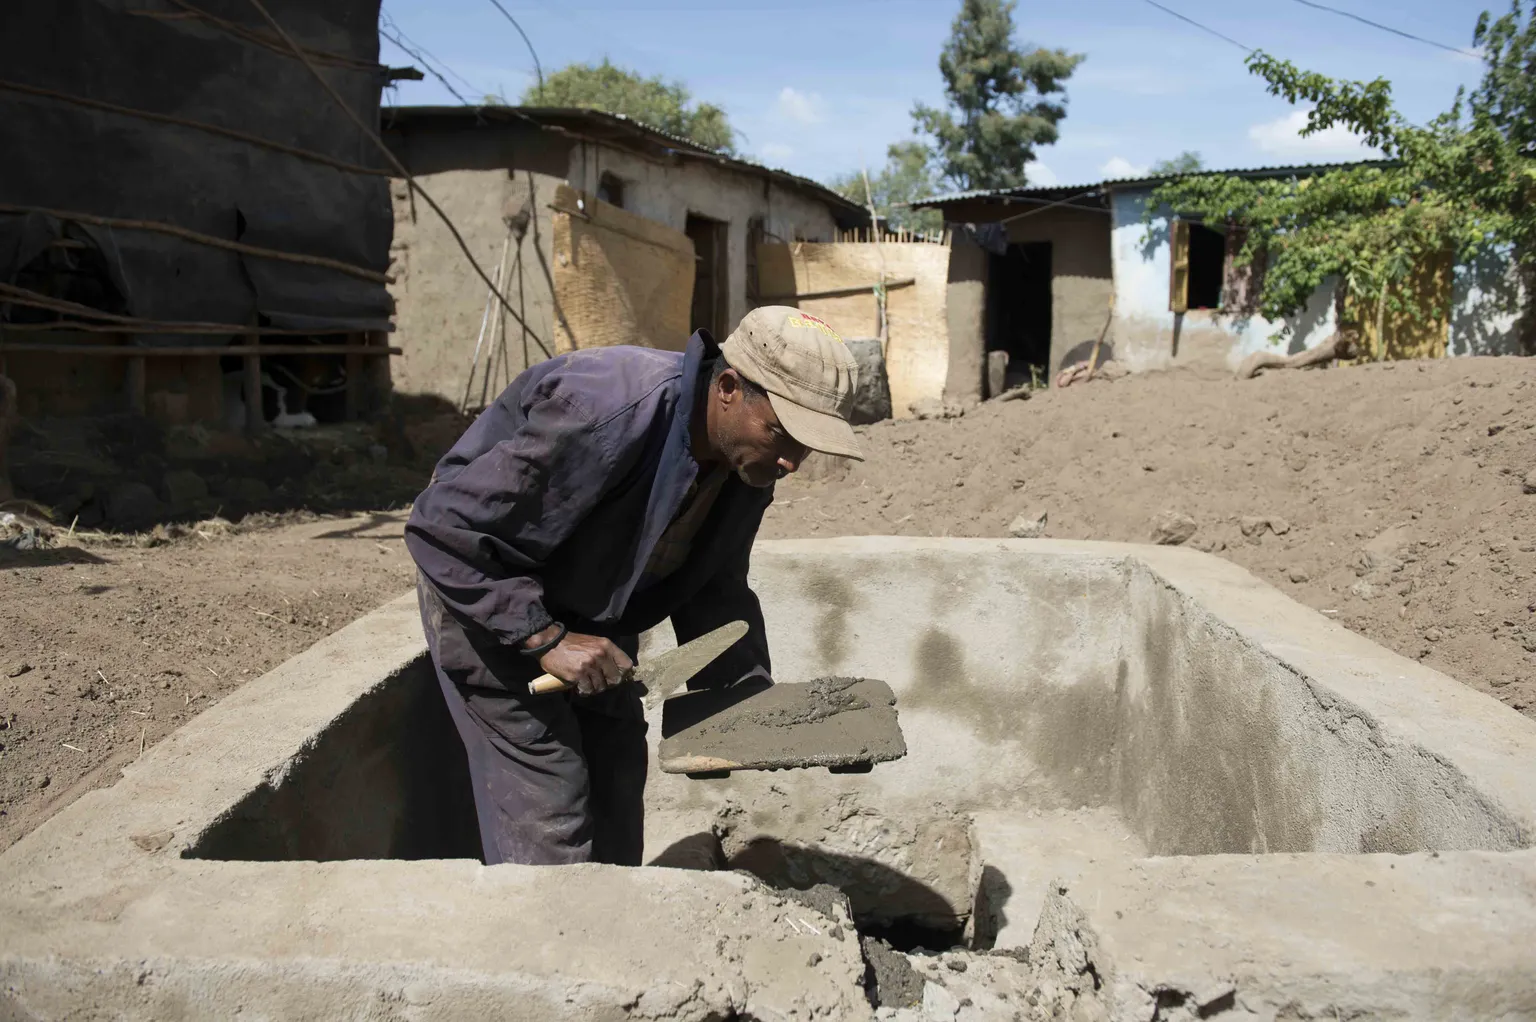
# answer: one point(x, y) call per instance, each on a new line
point(820, 86)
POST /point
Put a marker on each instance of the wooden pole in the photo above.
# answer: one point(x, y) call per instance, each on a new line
point(255, 420)
point(874, 228)
point(192, 351)
point(355, 363)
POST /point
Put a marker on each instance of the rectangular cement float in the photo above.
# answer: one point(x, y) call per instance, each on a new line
point(845, 724)
point(1187, 795)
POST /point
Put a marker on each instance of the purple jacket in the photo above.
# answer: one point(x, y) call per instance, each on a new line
point(550, 503)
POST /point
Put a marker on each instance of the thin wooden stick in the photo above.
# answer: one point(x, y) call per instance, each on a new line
point(212, 129)
point(191, 351)
point(125, 324)
point(203, 239)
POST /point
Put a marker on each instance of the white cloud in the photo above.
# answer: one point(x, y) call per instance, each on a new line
point(1041, 176)
point(1282, 137)
point(799, 107)
point(778, 151)
point(1117, 167)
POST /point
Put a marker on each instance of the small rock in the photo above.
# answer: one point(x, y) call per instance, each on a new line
point(1028, 526)
point(248, 491)
point(814, 960)
point(1364, 590)
point(1433, 635)
point(1279, 526)
point(18, 670)
point(1298, 576)
point(42, 781)
point(183, 488)
point(1252, 526)
point(1529, 483)
point(1171, 528)
point(133, 506)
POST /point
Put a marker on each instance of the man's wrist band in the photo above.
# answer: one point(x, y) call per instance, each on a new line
point(540, 650)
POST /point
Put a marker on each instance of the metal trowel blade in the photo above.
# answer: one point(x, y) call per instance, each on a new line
point(665, 673)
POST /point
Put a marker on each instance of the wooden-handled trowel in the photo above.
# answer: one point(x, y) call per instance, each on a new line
point(664, 673)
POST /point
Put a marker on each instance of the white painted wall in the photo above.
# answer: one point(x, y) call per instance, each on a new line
point(1144, 331)
point(668, 192)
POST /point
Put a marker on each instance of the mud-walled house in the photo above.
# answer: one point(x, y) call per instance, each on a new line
point(1046, 274)
point(597, 230)
point(191, 227)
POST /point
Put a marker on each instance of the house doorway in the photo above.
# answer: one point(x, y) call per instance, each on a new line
point(1019, 309)
point(709, 274)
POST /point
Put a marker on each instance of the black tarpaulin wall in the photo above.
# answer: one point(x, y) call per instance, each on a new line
point(174, 57)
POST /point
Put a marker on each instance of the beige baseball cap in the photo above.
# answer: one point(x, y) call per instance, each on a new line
point(807, 370)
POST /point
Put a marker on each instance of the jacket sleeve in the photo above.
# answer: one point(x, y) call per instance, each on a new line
point(482, 536)
point(727, 597)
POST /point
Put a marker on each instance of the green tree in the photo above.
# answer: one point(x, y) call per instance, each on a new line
point(1457, 186)
point(1003, 100)
point(908, 175)
point(654, 101)
point(1506, 99)
point(1187, 162)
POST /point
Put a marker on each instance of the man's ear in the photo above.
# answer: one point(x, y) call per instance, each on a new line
point(730, 386)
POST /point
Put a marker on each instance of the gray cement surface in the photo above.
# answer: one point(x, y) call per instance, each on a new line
point(1333, 830)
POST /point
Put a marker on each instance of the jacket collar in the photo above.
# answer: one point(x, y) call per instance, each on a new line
point(676, 470)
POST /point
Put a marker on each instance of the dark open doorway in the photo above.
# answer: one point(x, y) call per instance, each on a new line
point(1019, 309)
point(709, 274)
point(1207, 254)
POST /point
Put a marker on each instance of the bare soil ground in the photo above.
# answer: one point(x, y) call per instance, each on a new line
point(1390, 498)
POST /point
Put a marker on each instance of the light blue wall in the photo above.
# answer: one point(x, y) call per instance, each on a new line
point(1145, 329)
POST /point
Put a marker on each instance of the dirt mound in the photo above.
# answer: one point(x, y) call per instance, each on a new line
point(1389, 497)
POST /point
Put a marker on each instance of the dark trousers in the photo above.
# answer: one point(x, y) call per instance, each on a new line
point(557, 778)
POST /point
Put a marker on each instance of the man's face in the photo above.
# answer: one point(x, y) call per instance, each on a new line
point(749, 436)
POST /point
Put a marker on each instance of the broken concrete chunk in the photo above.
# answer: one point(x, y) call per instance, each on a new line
point(923, 872)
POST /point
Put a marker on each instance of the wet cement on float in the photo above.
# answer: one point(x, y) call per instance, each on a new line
point(828, 722)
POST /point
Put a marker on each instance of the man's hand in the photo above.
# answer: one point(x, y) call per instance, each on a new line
point(589, 662)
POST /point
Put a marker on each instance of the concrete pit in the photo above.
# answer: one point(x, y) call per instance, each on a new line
point(1140, 785)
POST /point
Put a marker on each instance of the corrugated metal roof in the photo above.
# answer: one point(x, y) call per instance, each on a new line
point(553, 117)
point(1092, 188)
